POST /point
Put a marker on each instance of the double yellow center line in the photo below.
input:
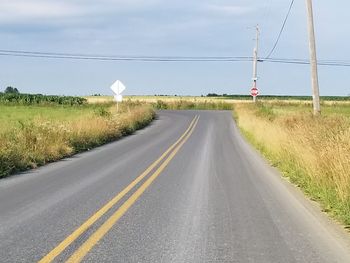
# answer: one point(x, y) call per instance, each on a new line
point(80, 253)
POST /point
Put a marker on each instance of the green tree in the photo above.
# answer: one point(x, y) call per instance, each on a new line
point(10, 89)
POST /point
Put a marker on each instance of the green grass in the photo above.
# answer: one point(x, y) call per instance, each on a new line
point(343, 110)
point(299, 107)
point(13, 115)
point(31, 136)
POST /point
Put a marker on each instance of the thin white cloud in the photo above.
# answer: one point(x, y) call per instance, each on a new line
point(228, 9)
point(19, 11)
point(22, 10)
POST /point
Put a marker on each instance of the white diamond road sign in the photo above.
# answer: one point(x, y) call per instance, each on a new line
point(118, 87)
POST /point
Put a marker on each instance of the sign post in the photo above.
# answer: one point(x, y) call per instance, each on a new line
point(118, 87)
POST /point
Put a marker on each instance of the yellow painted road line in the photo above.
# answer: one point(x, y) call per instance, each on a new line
point(89, 222)
point(81, 252)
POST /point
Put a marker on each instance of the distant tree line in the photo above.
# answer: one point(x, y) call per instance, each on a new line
point(10, 89)
point(165, 95)
point(13, 96)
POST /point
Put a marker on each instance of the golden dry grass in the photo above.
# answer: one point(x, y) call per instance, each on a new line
point(314, 152)
point(99, 99)
point(43, 140)
point(167, 99)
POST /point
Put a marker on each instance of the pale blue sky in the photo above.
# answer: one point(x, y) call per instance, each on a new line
point(179, 28)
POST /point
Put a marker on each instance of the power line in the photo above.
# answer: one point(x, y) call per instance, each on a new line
point(145, 58)
point(281, 31)
point(140, 59)
point(22, 53)
point(335, 63)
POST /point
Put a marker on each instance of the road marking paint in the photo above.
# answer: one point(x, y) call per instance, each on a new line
point(89, 222)
point(81, 252)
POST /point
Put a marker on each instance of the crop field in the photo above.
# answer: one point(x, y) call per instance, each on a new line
point(166, 99)
point(290, 100)
point(13, 115)
point(311, 151)
point(39, 99)
point(32, 135)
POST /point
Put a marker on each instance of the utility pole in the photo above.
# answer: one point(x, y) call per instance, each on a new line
point(313, 59)
point(255, 62)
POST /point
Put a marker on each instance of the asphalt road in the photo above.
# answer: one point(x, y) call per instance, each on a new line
point(209, 198)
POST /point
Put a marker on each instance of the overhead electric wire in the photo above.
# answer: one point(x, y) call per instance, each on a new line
point(143, 58)
point(337, 63)
point(140, 59)
point(119, 57)
point(281, 30)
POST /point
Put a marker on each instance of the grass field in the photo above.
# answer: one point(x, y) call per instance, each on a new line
point(31, 136)
point(313, 152)
point(290, 100)
point(13, 115)
point(167, 99)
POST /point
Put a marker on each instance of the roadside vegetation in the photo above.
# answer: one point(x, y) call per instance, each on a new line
point(313, 152)
point(214, 98)
point(171, 102)
point(33, 134)
point(192, 105)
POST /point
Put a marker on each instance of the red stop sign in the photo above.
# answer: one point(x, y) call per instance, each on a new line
point(254, 92)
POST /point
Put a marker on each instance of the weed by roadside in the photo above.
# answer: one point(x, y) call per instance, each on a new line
point(313, 152)
point(192, 105)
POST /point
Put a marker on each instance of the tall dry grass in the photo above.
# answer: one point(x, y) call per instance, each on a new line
point(181, 104)
point(40, 141)
point(314, 152)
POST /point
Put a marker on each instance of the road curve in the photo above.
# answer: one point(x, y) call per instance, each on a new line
point(187, 188)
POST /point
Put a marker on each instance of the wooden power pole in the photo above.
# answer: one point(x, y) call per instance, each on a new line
point(313, 59)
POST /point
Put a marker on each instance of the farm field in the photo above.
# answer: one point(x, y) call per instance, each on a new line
point(13, 115)
point(170, 102)
point(32, 135)
point(285, 100)
point(329, 108)
point(152, 99)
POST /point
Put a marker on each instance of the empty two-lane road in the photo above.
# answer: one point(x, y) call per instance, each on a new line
point(187, 188)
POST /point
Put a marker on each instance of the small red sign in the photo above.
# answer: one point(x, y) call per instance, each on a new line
point(254, 92)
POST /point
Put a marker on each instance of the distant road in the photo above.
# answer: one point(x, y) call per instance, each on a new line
point(187, 188)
